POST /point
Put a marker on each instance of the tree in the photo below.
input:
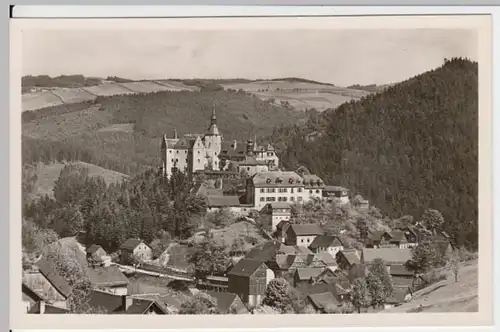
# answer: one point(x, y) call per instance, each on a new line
point(378, 268)
point(208, 258)
point(278, 295)
point(359, 294)
point(362, 227)
point(433, 220)
point(199, 304)
point(424, 257)
point(376, 290)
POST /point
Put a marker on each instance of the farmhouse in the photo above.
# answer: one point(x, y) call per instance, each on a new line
point(302, 234)
point(109, 279)
point(135, 248)
point(327, 243)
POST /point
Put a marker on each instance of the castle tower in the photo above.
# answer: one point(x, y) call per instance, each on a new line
point(213, 141)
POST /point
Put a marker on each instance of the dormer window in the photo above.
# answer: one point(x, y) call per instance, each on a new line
point(290, 181)
point(318, 182)
point(268, 181)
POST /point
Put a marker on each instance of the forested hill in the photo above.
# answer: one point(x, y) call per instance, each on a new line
point(409, 148)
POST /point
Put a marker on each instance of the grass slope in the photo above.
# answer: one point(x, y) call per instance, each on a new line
point(48, 175)
point(446, 295)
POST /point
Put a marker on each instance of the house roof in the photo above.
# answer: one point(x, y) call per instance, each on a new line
point(106, 276)
point(323, 300)
point(49, 309)
point(266, 252)
point(335, 188)
point(377, 235)
point(398, 281)
point(327, 258)
point(351, 256)
point(389, 255)
point(318, 288)
point(302, 250)
point(398, 236)
point(282, 224)
point(400, 270)
point(93, 248)
point(308, 272)
point(140, 306)
point(324, 241)
point(245, 267)
point(307, 229)
point(131, 244)
point(35, 296)
point(223, 201)
point(111, 303)
point(277, 179)
point(313, 181)
point(226, 300)
point(280, 205)
point(50, 273)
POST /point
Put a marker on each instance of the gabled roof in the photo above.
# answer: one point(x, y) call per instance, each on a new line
point(226, 300)
point(277, 179)
point(50, 273)
point(327, 258)
point(302, 250)
point(377, 235)
point(307, 229)
point(266, 252)
point(93, 248)
point(111, 303)
point(131, 244)
point(33, 295)
point(398, 236)
point(351, 256)
point(308, 272)
point(389, 255)
point(280, 205)
point(141, 306)
point(245, 267)
point(324, 241)
point(223, 201)
point(106, 276)
point(323, 300)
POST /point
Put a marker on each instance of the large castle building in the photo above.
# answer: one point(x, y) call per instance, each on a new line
point(198, 152)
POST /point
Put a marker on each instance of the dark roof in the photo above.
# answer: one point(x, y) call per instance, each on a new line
point(302, 250)
point(280, 205)
point(49, 309)
point(277, 179)
point(389, 255)
point(93, 248)
point(398, 281)
point(111, 303)
point(283, 223)
point(323, 241)
point(377, 235)
point(323, 300)
point(226, 300)
point(222, 201)
point(400, 270)
point(313, 181)
point(307, 229)
point(308, 272)
point(266, 252)
point(335, 188)
point(50, 273)
point(35, 296)
point(245, 267)
point(106, 276)
point(398, 236)
point(130, 244)
point(351, 256)
point(140, 306)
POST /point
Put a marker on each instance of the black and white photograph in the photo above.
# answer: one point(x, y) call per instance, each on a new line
point(251, 170)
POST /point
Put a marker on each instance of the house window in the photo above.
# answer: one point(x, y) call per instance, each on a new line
point(284, 199)
point(262, 190)
point(262, 199)
point(248, 168)
point(177, 151)
point(291, 190)
point(317, 191)
point(302, 240)
point(299, 199)
point(273, 199)
point(198, 160)
point(299, 190)
point(310, 191)
point(292, 198)
point(172, 159)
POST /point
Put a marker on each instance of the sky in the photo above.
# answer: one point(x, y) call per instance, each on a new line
point(341, 57)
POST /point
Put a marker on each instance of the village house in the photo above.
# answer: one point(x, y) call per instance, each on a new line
point(135, 248)
point(313, 185)
point(229, 303)
point(349, 260)
point(237, 151)
point(279, 212)
point(125, 304)
point(308, 275)
point(44, 280)
point(323, 302)
point(37, 304)
point(302, 234)
point(327, 243)
point(108, 279)
point(401, 276)
point(277, 186)
point(248, 279)
point(328, 259)
point(336, 194)
point(95, 252)
point(383, 239)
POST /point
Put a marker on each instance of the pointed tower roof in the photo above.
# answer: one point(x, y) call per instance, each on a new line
point(213, 130)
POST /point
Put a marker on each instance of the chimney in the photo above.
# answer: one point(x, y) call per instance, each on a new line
point(235, 143)
point(42, 307)
point(126, 302)
point(175, 133)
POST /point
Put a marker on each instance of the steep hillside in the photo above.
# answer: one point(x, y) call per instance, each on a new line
point(123, 133)
point(410, 148)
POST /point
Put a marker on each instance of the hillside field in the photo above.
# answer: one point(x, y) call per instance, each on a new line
point(48, 175)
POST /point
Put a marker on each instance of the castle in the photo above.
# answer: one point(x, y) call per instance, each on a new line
point(199, 152)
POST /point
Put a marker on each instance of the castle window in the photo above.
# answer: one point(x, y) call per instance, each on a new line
point(299, 198)
point(292, 198)
point(284, 199)
point(268, 181)
point(291, 190)
point(198, 152)
point(310, 191)
point(176, 151)
point(172, 159)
